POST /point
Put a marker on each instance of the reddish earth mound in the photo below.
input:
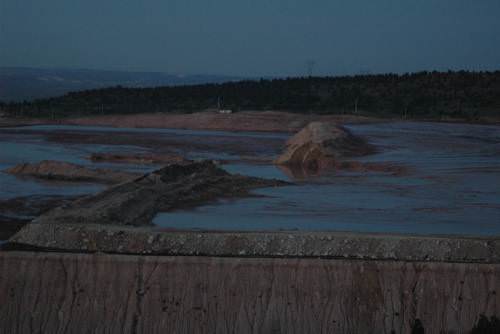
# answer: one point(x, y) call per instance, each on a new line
point(139, 158)
point(321, 146)
point(65, 171)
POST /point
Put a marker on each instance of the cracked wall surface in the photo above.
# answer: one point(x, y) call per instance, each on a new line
point(82, 293)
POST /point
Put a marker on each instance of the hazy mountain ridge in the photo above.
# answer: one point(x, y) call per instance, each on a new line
point(25, 83)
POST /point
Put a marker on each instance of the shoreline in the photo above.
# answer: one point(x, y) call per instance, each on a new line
point(251, 121)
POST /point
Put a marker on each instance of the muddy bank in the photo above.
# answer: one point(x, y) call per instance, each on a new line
point(143, 294)
point(15, 122)
point(269, 121)
point(69, 172)
point(299, 172)
point(172, 187)
point(165, 143)
point(145, 158)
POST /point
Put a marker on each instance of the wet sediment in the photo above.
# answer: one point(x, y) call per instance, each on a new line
point(143, 158)
point(69, 172)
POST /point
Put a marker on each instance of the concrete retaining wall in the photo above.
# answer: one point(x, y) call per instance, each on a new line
point(82, 293)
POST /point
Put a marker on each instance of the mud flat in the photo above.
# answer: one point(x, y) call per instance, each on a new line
point(65, 171)
point(151, 158)
point(15, 122)
point(268, 121)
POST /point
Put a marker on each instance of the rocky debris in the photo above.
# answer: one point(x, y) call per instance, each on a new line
point(346, 245)
point(322, 145)
point(144, 158)
point(65, 171)
point(138, 201)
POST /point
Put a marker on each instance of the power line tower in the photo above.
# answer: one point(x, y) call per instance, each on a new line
point(310, 64)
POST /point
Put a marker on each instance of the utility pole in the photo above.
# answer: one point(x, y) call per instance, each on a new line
point(220, 103)
point(310, 63)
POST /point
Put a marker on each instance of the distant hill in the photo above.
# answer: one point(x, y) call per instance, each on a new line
point(24, 83)
point(422, 95)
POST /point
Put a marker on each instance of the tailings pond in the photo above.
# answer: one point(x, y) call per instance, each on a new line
point(451, 184)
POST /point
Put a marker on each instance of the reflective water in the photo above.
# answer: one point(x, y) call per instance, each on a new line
point(31, 144)
point(452, 185)
point(17, 148)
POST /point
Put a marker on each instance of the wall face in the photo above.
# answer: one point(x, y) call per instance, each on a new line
point(77, 293)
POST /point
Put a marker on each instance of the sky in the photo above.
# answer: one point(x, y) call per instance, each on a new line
point(252, 37)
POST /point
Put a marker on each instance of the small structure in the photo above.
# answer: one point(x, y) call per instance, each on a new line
point(220, 106)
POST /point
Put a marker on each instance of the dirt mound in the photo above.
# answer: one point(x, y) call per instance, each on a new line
point(151, 158)
point(138, 201)
point(322, 145)
point(65, 171)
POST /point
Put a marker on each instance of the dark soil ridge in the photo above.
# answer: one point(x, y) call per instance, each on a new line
point(137, 202)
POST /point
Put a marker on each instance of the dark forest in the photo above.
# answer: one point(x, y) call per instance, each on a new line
point(461, 94)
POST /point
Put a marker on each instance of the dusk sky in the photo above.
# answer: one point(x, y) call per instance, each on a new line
point(252, 37)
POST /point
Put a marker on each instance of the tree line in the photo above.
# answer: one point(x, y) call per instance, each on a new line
point(461, 94)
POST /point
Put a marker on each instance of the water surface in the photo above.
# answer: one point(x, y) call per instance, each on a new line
point(452, 185)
